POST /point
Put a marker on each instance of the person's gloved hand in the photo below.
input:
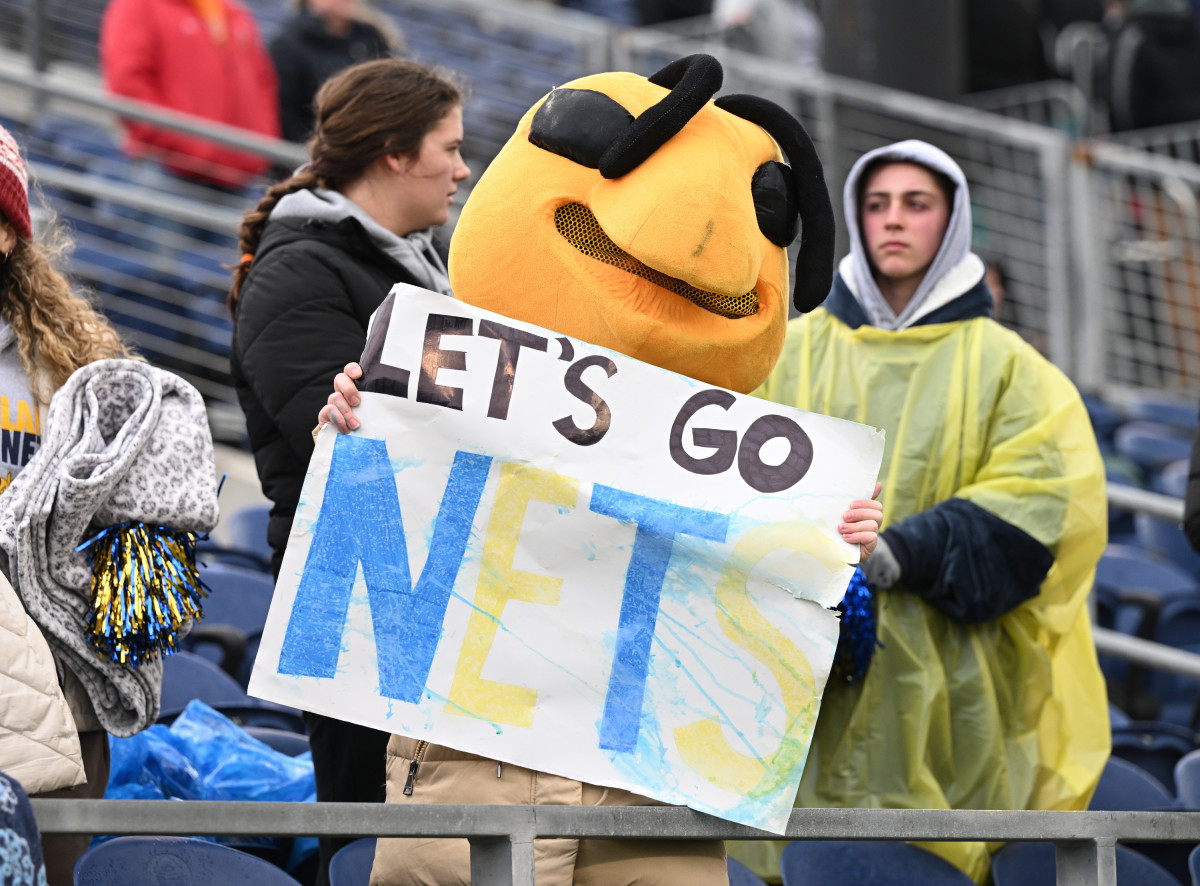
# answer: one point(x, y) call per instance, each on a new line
point(883, 569)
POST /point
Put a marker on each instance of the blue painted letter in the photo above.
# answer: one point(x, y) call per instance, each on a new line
point(360, 522)
point(658, 523)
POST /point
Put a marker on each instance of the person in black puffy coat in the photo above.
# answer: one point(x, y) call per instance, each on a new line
point(320, 252)
point(322, 38)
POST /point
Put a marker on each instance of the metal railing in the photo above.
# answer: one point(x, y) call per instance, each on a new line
point(501, 837)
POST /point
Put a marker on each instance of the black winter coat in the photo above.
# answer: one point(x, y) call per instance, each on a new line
point(306, 55)
point(301, 317)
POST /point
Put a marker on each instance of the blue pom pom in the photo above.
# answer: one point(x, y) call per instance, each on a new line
point(857, 638)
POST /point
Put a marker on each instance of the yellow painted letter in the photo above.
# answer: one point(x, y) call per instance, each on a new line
point(499, 583)
point(701, 744)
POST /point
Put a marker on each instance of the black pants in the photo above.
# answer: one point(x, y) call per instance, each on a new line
point(349, 764)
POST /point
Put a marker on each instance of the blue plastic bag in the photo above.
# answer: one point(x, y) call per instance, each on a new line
point(204, 755)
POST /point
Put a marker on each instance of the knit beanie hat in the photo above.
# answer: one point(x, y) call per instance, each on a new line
point(14, 186)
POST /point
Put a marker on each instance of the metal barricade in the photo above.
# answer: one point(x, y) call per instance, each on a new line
point(1139, 246)
point(502, 837)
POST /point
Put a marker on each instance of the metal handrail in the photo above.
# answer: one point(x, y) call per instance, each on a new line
point(1131, 498)
point(71, 90)
point(502, 837)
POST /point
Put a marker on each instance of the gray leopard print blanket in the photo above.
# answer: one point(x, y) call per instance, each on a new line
point(121, 441)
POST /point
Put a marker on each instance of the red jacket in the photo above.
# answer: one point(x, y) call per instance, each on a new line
point(161, 51)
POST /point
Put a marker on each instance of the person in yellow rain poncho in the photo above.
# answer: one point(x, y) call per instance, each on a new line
point(984, 691)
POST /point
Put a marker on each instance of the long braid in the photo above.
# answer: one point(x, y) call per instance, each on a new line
point(255, 221)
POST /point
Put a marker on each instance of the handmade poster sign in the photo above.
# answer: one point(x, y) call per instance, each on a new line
point(554, 555)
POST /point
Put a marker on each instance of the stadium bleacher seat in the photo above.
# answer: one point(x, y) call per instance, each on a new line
point(1154, 746)
point(351, 865)
point(187, 676)
point(1105, 419)
point(1165, 539)
point(1172, 480)
point(1194, 866)
point(1125, 786)
point(1032, 864)
point(865, 863)
point(239, 598)
point(151, 861)
point(248, 529)
point(1153, 407)
point(740, 875)
point(1130, 590)
point(1187, 780)
point(291, 743)
point(1178, 627)
point(1151, 445)
point(211, 552)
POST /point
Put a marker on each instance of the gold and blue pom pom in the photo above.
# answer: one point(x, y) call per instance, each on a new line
point(145, 587)
point(857, 636)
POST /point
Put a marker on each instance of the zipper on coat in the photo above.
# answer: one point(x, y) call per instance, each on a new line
point(414, 766)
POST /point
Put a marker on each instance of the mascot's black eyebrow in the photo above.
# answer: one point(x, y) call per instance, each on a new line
point(593, 130)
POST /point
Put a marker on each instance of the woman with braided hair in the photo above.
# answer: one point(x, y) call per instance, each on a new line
point(321, 251)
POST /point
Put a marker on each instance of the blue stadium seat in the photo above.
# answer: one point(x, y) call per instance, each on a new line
point(70, 142)
point(187, 676)
point(1126, 787)
point(1154, 746)
point(151, 861)
point(865, 863)
point(1194, 866)
point(1187, 780)
point(1165, 539)
point(253, 712)
point(351, 865)
point(1154, 407)
point(248, 529)
point(1130, 590)
point(210, 552)
point(291, 743)
point(240, 598)
point(1179, 627)
point(1032, 864)
point(740, 875)
point(1124, 572)
point(1151, 445)
point(1105, 419)
point(1172, 480)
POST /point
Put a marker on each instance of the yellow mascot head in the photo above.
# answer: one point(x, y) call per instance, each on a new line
point(640, 215)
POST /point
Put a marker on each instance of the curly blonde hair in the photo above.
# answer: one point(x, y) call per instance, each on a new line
point(56, 330)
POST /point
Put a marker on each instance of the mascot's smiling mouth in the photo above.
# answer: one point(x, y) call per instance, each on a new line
point(579, 227)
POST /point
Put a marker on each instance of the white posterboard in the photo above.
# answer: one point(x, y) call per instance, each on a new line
point(554, 555)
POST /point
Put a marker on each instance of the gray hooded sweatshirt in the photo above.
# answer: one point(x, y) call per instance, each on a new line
point(954, 270)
